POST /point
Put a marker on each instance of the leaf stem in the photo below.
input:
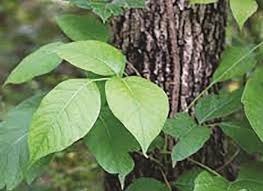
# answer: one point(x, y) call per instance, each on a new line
point(204, 167)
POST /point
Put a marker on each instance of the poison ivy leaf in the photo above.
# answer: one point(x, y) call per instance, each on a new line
point(97, 57)
point(85, 27)
point(250, 178)
point(242, 11)
point(202, 1)
point(244, 136)
point(208, 182)
point(64, 116)
point(147, 184)
point(14, 153)
point(216, 106)
point(232, 65)
point(105, 9)
point(111, 143)
point(191, 136)
point(140, 105)
point(253, 101)
point(42, 61)
point(185, 182)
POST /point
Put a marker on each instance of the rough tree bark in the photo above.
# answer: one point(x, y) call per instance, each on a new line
point(177, 46)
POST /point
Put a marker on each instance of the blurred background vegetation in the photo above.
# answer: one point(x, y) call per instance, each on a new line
point(26, 25)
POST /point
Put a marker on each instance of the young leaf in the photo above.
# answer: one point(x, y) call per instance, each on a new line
point(85, 27)
point(191, 136)
point(111, 143)
point(42, 61)
point(242, 11)
point(64, 116)
point(216, 106)
point(94, 56)
point(208, 182)
point(147, 184)
point(14, 153)
point(140, 105)
point(202, 1)
point(231, 65)
point(253, 101)
point(244, 136)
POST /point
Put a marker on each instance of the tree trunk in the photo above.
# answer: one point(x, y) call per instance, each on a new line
point(177, 46)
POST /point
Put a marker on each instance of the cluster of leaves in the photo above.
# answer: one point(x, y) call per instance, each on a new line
point(125, 114)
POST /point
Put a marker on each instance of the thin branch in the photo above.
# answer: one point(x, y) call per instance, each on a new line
point(134, 69)
point(204, 167)
point(230, 160)
point(165, 179)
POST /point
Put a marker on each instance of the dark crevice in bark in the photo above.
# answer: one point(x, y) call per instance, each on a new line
point(177, 46)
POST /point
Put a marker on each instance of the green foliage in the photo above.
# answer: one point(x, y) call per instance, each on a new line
point(253, 101)
point(84, 27)
point(243, 136)
point(140, 105)
point(186, 181)
point(242, 11)
point(14, 154)
point(231, 66)
point(147, 184)
point(250, 178)
point(42, 61)
point(105, 9)
point(111, 143)
point(94, 56)
point(65, 115)
point(216, 106)
point(191, 136)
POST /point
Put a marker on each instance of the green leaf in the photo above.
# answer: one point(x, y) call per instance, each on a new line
point(191, 136)
point(140, 105)
point(216, 106)
point(244, 136)
point(242, 11)
point(232, 65)
point(94, 56)
point(85, 27)
point(111, 143)
point(202, 1)
point(253, 101)
point(14, 153)
point(185, 182)
point(106, 9)
point(64, 116)
point(250, 178)
point(208, 182)
point(147, 184)
point(42, 61)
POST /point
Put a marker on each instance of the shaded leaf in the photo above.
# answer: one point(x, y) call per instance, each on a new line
point(111, 143)
point(244, 136)
point(147, 184)
point(97, 57)
point(85, 27)
point(140, 105)
point(242, 11)
point(64, 116)
point(232, 65)
point(191, 136)
point(40, 62)
point(14, 153)
point(216, 106)
point(208, 182)
point(186, 181)
point(253, 101)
